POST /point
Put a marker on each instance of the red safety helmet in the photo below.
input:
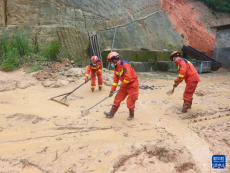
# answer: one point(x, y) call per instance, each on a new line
point(175, 54)
point(113, 56)
point(94, 59)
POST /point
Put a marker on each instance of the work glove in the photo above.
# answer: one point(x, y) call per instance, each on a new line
point(86, 79)
point(110, 93)
point(175, 83)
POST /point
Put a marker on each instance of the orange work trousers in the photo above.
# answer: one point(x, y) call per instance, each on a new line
point(93, 80)
point(189, 90)
point(132, 91)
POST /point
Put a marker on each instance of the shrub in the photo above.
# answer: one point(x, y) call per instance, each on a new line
point(52, 51)
point(20, 42)
point(220, 5)
point(12, 60)
point(4, 41)
point(35, 67)
point(15, 51)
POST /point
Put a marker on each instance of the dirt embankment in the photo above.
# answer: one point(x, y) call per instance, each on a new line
point(188, 21)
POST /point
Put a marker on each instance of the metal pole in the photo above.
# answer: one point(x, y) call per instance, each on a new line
point(99, 47)
point(114, 38)
point(101, 100)
point(91, 52)
point(91, 43)
point(113, 43)
point(95, 44)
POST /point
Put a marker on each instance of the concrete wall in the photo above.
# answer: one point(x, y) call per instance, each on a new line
point(138, 56)
point(143, 61)
point(222, 48)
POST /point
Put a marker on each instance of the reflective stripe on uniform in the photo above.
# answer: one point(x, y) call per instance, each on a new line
point(93, 86)
point(93, 68)
point(180, 75)
point(117, 73)
point(87, 75)
point(99, 70)
point(100, 85)
point(115, 84)
point(126, 81)
point(121, 73)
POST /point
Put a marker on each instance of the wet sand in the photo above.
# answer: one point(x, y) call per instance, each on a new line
point(39, 135)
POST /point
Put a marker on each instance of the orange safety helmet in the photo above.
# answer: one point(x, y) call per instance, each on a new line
point(175, 54)
point(113, 56)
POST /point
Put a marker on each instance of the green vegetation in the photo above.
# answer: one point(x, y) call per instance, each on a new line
point(52, 51)
point(218, 5)
point(16, 51)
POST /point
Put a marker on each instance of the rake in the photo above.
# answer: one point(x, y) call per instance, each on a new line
point(63, 100)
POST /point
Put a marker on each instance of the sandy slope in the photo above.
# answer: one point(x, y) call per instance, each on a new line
point(39, 135)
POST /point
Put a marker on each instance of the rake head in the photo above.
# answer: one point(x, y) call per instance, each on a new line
point(60, 101)
point(85, 112)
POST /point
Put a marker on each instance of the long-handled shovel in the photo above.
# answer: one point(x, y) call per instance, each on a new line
point(63, 100)
point(170, 92)
point(86, 111)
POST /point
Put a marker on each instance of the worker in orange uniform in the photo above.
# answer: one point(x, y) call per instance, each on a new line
point(188, 73)
point(95, 67)
point(124, 72)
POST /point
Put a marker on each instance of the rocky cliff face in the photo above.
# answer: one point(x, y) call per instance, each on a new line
point(141, 23)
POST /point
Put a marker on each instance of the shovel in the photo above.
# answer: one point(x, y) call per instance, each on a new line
point(86, 111)
point(170, 92)
point(63, 100)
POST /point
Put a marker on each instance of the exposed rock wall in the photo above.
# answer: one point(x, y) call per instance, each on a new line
point(70, 21)
point(3, 4)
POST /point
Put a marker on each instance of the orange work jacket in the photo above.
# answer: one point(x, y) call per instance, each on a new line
point(93, 69)
point(125, 73)
point(186, 71)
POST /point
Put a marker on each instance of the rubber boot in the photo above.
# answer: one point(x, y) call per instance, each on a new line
point(185, 106)
point(131, 114)
point(190, 105)
point(100, 88)
point(92, 89)
point(112, 111)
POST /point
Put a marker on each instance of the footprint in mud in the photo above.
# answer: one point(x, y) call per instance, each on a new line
point(174, 109)
point(75, 97)
point(26, 118)
point(6, 102)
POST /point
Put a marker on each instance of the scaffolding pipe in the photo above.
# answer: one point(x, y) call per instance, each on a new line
point(113, 43)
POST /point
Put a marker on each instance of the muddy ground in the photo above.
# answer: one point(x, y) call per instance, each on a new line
point(39, 135)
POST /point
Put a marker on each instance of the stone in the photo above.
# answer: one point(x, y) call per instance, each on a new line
point(61, 83)
point(10, 85)
point(79, 72)
point(48, 83)
point(70, 79)
point(26, 82)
